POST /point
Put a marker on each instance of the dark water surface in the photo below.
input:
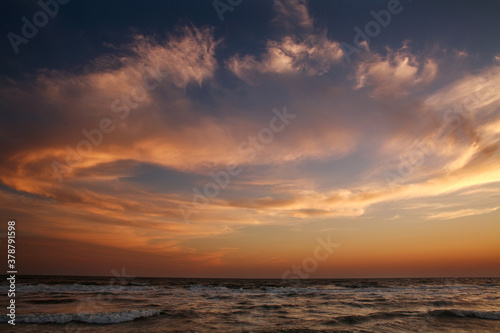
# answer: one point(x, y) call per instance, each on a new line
point(104, 304)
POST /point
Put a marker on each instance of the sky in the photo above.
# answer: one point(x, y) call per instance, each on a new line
point(251, 139)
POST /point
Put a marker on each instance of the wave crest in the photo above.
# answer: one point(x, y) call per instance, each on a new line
point(89, 318)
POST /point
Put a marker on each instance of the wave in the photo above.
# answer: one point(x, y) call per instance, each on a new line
point(356, 319)
point(293, 290)
point(222, 292)
point(264, 291)
point(458, 313)
point(455, 313)
point(89, 318)
point(61, 288)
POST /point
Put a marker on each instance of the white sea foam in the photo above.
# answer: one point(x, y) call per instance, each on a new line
point(90, 318)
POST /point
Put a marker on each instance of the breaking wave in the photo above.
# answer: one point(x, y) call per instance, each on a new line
point(89, 318)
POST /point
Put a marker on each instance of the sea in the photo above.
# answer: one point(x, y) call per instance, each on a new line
point(132, 304)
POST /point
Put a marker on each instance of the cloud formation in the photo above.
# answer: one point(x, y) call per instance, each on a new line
point(393, 74)
point(460, 213)
point(355, 125)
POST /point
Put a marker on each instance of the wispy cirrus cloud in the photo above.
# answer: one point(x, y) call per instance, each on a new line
point(460, 213)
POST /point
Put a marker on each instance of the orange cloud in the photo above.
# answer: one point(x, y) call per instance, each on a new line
point(393, 74)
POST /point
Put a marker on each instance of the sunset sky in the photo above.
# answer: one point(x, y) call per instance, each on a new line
point(155, 138)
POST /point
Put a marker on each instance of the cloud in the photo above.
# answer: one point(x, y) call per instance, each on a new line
point(460, 213)
point(293, 14)
point(471, 93)
point(199, 143)
point(392, 75)
point(328, 163)
point(305, 51)
point(313, 55)
point(354, 202)
point(165, 128)
point(459, 155)
point(188, 57)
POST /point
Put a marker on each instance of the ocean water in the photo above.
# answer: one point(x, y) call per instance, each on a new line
point(103, 304)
